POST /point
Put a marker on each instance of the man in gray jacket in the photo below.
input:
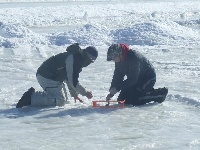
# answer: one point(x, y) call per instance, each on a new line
point(138, 87)
point(51, 75)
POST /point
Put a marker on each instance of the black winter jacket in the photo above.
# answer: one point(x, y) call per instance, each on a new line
point(54, 68)
point(135, 67)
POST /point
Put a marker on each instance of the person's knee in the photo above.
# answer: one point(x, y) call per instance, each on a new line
point(60, 102)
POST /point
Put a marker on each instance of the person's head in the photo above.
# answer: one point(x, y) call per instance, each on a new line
point(114, 52)
point(90, 55)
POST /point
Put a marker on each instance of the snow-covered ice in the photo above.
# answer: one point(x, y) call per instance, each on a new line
point(167, 32)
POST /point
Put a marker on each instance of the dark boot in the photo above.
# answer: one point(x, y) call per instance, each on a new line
point(156, 95)
point(26, 98)
point(163, 92)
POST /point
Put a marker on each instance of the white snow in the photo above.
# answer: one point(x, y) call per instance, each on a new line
point(167, 32)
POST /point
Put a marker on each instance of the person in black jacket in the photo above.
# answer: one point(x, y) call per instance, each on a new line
point(138, 87)
point(54, 72)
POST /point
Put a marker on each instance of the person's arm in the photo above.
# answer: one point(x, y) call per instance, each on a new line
point(83, 91)
point(132, 76)
point(116, 82)
point(69, 68)
point(73, 84)
point(117, 78)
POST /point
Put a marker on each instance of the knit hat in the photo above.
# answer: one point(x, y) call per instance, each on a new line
point(92, 53)
point(114, 49)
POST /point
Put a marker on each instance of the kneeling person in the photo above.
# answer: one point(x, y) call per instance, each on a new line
point(138, 87)
point(51, 75)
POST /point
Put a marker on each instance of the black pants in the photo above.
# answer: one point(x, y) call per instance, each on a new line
point(133, 94)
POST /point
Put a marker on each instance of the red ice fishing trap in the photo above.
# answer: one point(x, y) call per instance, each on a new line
point(108, 104)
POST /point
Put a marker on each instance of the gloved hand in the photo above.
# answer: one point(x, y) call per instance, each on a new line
point(109, 96)
point(113, 91)
point(89, 94)
point(77, 98)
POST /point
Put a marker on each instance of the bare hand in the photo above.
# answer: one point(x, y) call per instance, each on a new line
point(89, 94)
point(77, 98)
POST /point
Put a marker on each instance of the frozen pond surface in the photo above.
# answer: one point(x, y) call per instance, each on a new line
point(31, 32)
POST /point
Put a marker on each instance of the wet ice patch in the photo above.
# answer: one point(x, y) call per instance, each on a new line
point(187, 100)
